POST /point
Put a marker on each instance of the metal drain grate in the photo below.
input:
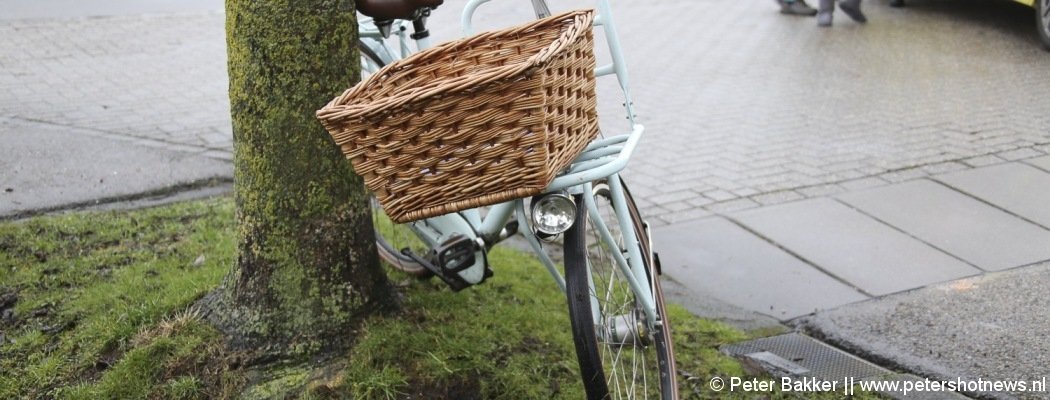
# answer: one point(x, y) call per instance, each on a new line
point(802, 356)
point(798, 355)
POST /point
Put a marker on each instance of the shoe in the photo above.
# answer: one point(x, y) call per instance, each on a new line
point(827, 8)
point(824, 19)
point(852, 8)
point(797, 7)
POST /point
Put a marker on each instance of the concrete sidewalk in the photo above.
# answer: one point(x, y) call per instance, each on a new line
point(942, 277)
point(883, 186)
point(821, 253)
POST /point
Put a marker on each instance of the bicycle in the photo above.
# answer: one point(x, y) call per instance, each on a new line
point(611, 280)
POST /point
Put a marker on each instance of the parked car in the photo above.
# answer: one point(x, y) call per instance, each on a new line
point(1042, 17)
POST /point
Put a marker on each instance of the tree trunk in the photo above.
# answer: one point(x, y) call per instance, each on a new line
point(306, 268)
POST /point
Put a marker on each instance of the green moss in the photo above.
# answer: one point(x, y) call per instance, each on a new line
point(279, 383)
point(303, 222)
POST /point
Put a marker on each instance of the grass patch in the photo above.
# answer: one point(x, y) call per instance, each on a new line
point(82, 286)
point(95, 305)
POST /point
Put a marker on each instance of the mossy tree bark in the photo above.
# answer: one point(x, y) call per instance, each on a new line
point(306, 269)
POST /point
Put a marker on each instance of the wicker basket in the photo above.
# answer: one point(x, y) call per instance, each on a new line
point(472, 122)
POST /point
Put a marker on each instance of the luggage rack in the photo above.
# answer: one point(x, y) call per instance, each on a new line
point(600, 159)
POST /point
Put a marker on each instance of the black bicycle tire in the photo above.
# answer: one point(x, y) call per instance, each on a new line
point(367, 51)
point(581, 317)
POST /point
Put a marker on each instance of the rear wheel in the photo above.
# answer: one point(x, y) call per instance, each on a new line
point(1042, 20)
point(370, 60)
point(621, 353)
point(391, 238)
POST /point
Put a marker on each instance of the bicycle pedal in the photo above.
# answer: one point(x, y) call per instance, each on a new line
point(454, 281)
point(447, 259)
point(456, 253)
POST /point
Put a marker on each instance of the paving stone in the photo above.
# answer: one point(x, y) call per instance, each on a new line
point(1020, 154)
point(1016, 187)
point(1041, 162)
point(981, 161)
point(745, 192)
point(777, 197)
point(684, 215)
point(863, 183)
point(688, 185)
point(956, 223)
point(673, 197)
point(854, 247)
point(732, 205)
point(677, 206)
point(718, 258)
point(719, 195)
point(699, 201)
point(850, 175)
point(944, 167)
point(904, 175)
point(822, 190)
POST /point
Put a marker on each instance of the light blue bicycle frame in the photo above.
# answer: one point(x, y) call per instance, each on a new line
point(370, 35)
point(602, 159)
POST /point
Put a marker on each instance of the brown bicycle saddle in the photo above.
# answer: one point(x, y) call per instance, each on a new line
point(394, 9)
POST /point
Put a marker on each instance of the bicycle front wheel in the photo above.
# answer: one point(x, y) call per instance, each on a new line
point(622, 354)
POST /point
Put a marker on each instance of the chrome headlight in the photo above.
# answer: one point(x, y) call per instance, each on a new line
point(553, 213)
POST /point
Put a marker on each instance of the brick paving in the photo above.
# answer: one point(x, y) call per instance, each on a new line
point(763, 107)
point(158, 78)
point(744, 107)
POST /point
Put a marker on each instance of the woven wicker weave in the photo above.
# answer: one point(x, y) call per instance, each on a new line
point(472, 122)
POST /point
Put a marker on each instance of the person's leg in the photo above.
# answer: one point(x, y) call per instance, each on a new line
point(796, 7)
point(827, 7)
point(852, 8)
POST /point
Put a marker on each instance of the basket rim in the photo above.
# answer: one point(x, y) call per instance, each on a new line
point(341, 106)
